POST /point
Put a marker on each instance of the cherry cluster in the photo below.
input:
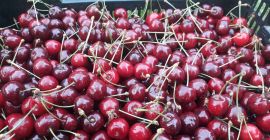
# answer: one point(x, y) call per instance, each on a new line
point(174, 74)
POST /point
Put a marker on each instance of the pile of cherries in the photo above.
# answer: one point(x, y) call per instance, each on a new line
point(177, 74)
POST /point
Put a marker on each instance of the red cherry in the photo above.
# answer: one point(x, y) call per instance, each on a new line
point(142, 71)
point(203, 133)
point(46, 122)
point(125, 69)
point(218, 105)
point(120, 13)
point(12, 41)
point(250, 132)
point(258, 105)
point(111, 76)
point(84, 103)
point(109, 107)
point(118, 128)
point(151, 17)
point(93, 122)
point(80, 79)
point(42, 67)
point(79, 60)
point(96, 89)
point(47, 83)
point(53, 46)
point(130, 107)
point(100, 135)
point(171, 123)
point(184, 94)
point(241, 39)
point(139, 131)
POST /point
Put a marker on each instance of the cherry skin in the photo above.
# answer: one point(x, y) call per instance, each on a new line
point(24, 19)
point(84, 103)
point(122, 23)
point(101, 65)
point(12, 41)
point(263, 122)
point(153, 110)
point(67, 96)
point(19, 76)
point(24, 129)
point(156, 25)
point(218, 105)
point(241, 39)
point(40, 31)
point(151, 17)
point(204, 116)
point(46, 122)
point(250, 132)
point(189, 122)
point(131, 108)
point(79, 60)
point(82, 135)
point(120, 13)
point(125, 69)
point(53, 46)
point(161, 52)
point(118, 128)
point(184, 94)
point(109, 107)
point(93, 122)
point(100, 135)
point(216, 12)
point(5, 72)
point(152, 61)
point(96, 89)
point(258, 105)
point(93, 10)
point(215, 85)
point(39, 52)
point(11, 91)
point(171, 123)
point(111, 76)
point(39, 109)
point(97, 49)
point(61, 71)
point(79, 79)
point(42, 67)
point(203, 133)
point(211, 69)
point(139, 131)
point(234, 112)
point(200, 86)
point(47, 83)
point(187, 26)
point(142, 71)
point(137, 92)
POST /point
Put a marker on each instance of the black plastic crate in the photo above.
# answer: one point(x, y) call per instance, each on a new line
point(258, 14)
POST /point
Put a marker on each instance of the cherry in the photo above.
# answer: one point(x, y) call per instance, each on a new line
point(109, 107)
point(258, 104)
point(218, 105)
point(80, 79)
point(24, 19)
point(256, 80)
point(96, 89)
point(204, 116)
point(192, 71)
point(5, 72)
point(40, 31)
point(125, 69)
point(153, 110)
point(234, 113)
point(61, 71)
point(79, 60)
point(142, 71)
point(97, 49)
point(46, 123)
point(12, 41)
point(93, 122)
point(39, 108)
point(122, 23)
point(151, 17)
point(161, 52)
point(240, 22)
point(93, 11)
point(137, 92)
point(183, 137)
point(82, 135)
point(187, 26)
point(263, 122)
point(216, 12)
point(53, 46)
point(70, 44)
point(111, 76)
point(67, 97)
point(84, 103)
point(171, 123)
point(39, 52)
point(131, 108)
point(200, 86)
point(118, 128)
point(100, 135)
point(56, 12)
point(219, 128)
point(83, 32)
point(184, 94)
point(191, 41)
point(189, 122)
point(156, 25)
point(203, 133)
point(241, 39)
point(222, 27)
point(23, 53)
point(120, 13)
point(47, 83)
point(211, 69)
point(139, 131)
point(215, 85)
point(11, 91)
point(42, 67)
point(250, 132)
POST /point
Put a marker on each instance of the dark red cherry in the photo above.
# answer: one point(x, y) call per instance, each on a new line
point(131, 108)
point(216, 12)
point(5, 72)
point(96, 89)
point(250, 132)
point(68, 96)
point(122, 23)
point(24, 19)
point(93, 122)
point(142, 71)
point(156, 25)
point(120, 13)
point(211, 69)
point(109, 107)
point(47, 83)
point(39, 52)
point(204, 116)
point(40, 31)
point(56, 12)
point(192, 71)
point(53, 46)
point(153, 110)
point(61, 71)
point(23, 53)
point(97, 49)
point(79, 79)
point(218, 105)
point(125, 69)
point(111, 76)
point(12, 41)
point(189, 122)
point(84, 103)
point(187, 26)
point(93, 11)
point(241, 39)
point(235, 113)
point(184, 94)
point(219, 128)
point(45, 123)
point(203, 133)
point(70, 44)
point(79, 60)
point(100, 135)
point(42, 67)
point(258, 104)
point(200, 86)
point(23, 129)
point(191, 41)
point(118, 128)
point(162, 52)
point(263, 122)
point(215, 85)
point(137, 92)
point(12, 92)
point(82, 135)
point(171, 123)
point(139, 131)
point(151, 17)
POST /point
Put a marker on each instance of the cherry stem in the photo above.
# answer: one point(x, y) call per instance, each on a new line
point(123, 94)
point(61, 48)
point(53, 134)
point(3, 129)
point(70, 132)
point(227, 82)
point(146, 120)
point(245, 4)
point(181, 46)
point(238, 57)
point(88, 35)
point(159, 132)
point(18, 66)
point(174, 99)
point(70, 106)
